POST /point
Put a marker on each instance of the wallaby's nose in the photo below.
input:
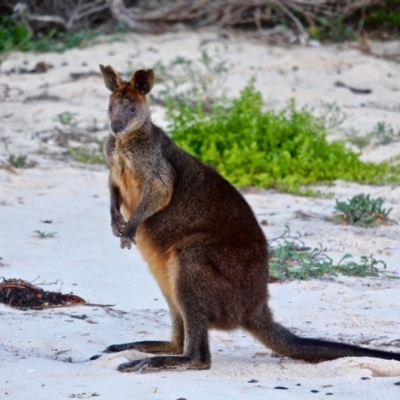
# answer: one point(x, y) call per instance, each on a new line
point(117, 126)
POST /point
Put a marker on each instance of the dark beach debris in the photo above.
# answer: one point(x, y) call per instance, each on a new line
point(80, 75)
point(83, 395)
point(20, 294)
point(365, 378)
point(397, 383)
point(281, 388)
point(314, 391)
point(353, 89)
point(40, 67)
point(252, 381)
point(84, 316)
point(44, 96)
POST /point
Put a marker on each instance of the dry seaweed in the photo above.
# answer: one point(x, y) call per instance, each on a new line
point(20, 294)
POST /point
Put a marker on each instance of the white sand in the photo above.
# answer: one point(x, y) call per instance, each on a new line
point(43, 354)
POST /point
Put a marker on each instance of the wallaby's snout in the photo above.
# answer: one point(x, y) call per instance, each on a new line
point(117, 126)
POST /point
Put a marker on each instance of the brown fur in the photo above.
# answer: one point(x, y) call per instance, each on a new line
point(199, 237)
point(129, 186)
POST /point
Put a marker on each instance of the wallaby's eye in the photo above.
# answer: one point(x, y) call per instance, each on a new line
point(132, 109)
point(109, 108)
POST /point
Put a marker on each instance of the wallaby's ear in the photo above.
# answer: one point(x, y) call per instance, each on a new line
point(111, 77)
point(143, 80)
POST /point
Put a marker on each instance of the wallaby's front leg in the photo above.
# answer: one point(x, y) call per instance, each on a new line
point(156, 194)
point(117, 220)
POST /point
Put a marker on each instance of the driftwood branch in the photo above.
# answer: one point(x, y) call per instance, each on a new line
point(129, 17)
point(37, 22)
point(86, 10)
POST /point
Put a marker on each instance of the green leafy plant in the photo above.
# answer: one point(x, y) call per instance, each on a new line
point(290, 258)
point(44, 235)
point(283, 149)
point(361, 210)
point(19, 161)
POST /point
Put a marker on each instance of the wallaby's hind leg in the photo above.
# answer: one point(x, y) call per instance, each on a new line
point(196, 353)
point(175, 346)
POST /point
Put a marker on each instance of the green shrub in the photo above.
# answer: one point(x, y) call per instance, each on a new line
point(290, 258)
point(361, 210)
point(280, 149)
point(385, 14)
point(14, 35)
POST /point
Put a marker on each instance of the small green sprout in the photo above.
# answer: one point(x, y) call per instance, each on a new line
point(19, 161)
point(44, 235)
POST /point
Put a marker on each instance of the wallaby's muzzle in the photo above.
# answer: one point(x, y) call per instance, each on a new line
point(117, 126)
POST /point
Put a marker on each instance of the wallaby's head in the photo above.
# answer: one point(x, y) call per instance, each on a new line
point(128, 109)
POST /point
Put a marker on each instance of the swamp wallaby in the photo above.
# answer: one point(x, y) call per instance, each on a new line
point(199, 238)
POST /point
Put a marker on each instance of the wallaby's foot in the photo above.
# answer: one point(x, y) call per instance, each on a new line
point(148, 346)
point(160, 363)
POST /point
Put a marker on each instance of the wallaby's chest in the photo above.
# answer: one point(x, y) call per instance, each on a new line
point(124, 176)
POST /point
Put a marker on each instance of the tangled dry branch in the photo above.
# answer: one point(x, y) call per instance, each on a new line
point(160, 15)
point(231, 13)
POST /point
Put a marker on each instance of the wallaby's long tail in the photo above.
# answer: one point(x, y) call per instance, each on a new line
point(284, 342)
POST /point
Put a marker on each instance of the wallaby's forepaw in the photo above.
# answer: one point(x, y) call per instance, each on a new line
point(128, 236)
point(126, 243)
point(118, 226)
